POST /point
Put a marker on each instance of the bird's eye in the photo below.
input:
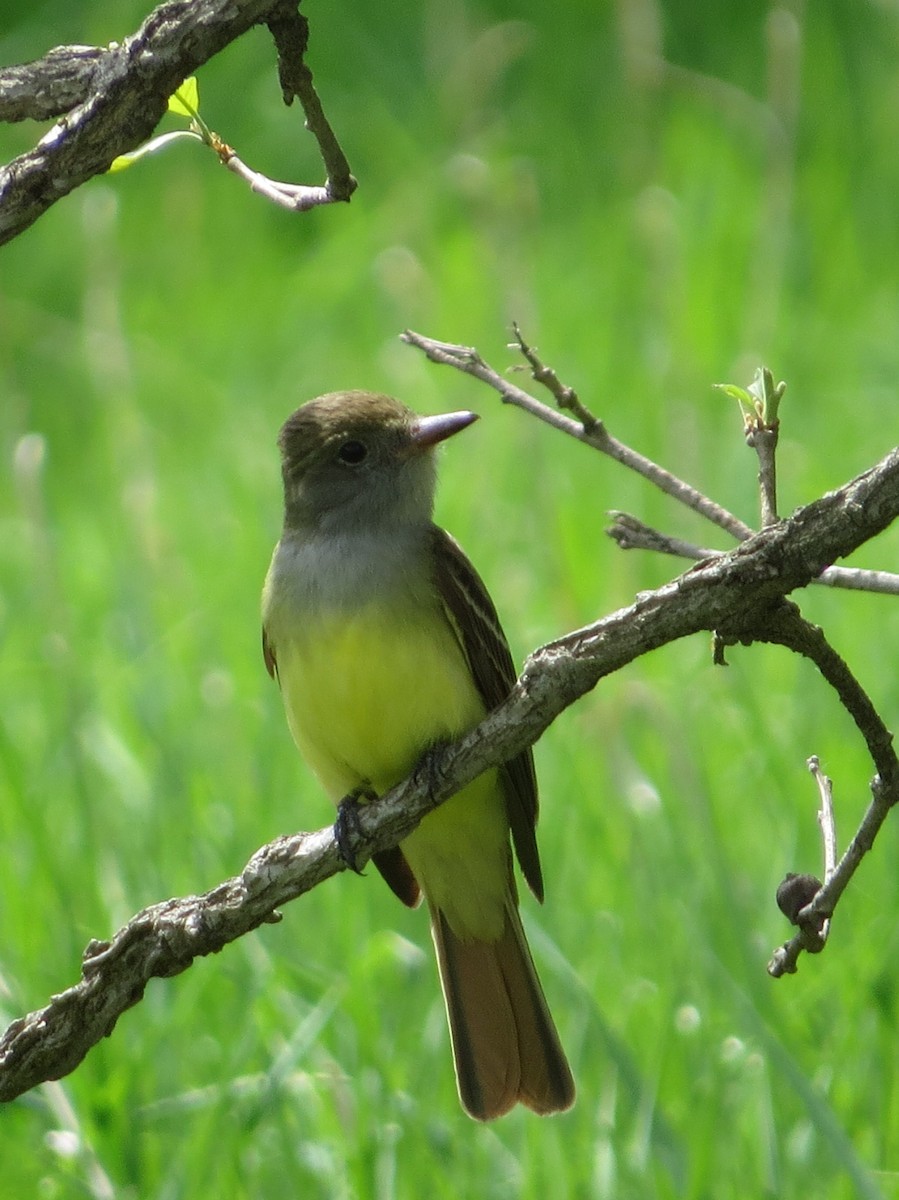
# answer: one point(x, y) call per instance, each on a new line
point(352, 452)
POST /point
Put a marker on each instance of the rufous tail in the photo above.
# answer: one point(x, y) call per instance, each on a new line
point(505, 1045)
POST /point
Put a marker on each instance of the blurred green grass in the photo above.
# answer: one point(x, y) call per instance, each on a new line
point(652, 237)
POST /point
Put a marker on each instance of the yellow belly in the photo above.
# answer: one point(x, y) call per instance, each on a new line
point(366, 695)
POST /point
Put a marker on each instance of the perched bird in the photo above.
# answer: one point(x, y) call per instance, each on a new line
point(385, 642)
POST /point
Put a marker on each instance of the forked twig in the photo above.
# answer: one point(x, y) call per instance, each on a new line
point(594, 434)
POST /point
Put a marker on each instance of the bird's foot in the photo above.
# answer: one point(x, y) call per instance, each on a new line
point(346, 827)
point(428, 767)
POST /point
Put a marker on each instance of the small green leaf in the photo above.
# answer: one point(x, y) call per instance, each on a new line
point(760, 386)
point(185, 101)
point(736, 393)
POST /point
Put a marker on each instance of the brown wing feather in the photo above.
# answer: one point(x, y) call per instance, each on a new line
point(475, 620)
point(268, 654)
point(397, 874)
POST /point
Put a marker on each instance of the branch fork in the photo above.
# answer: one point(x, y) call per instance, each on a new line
point(806, 901)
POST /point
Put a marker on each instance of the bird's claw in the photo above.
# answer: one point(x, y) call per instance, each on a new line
point(346, 827)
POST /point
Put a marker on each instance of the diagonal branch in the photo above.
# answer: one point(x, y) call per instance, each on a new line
point(733, 590)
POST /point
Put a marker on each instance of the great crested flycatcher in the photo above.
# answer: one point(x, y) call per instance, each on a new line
point(385, 642)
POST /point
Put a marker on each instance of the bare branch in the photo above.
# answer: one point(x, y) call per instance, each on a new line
point(764, 441)
point(564, 396)
point(160, 941)
point(797, 893)
point(468, 360)
point(626, 533)
point(860, 579)
point(733, 590)
point(296, 197)
point(631, 533)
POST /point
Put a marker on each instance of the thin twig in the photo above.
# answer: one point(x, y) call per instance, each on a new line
point(290, 31)
point(764, 441)
point(296, 197)
point(790, 629)
point(796, 894)
point(468, 360)
point(826, 818)
point(860, 579)
point(884, 796)
point(633, 534)
point(565, 397)
point(762, 428)
point(630, 533)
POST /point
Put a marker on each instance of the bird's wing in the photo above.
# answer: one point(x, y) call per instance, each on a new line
point(474, 618)
point(268, 654)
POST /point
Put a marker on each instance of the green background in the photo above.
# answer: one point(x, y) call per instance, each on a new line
point(664, 196)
